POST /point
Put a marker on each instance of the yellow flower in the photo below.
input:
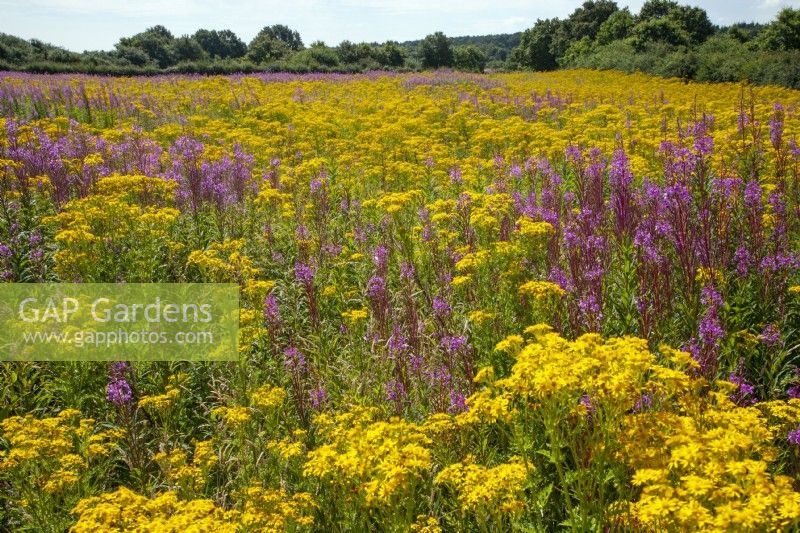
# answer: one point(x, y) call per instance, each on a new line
point(267, 397)
point(495, 489)
point(355, 315)
point(541, 290)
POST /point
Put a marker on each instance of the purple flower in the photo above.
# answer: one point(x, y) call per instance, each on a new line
point(380, 257)
point(397, 342)
point(119, 392)
point(586, 401)
point(301, 233)
point(744, 390)
point(440, 376)
point(376, 288)
point(794, 437)
point(455, 176)
point(293, 359)
point(441, 308)
point(710, 297)
point(453, 344)
point(752, 195)
point(406, 270)
point(395, 391)
point(272, 312)
point(458, 402)
point(770, 335)
point(620, 178)
point(319, 397)
point(644, 403)
point(119, 369)
point(303, 273)
point(710, 329)
point(704, 145)
point(776, 126)
point(744, 261)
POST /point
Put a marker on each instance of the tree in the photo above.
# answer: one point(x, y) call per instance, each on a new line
point(580, 48)
point(662, 30)
point(534, 49)
point(220, 44)
point(265, 48)
point(187, 49)
point(694, 21)
point(469, 58)
point(435, 51)
point(390, 55)
point(617, 26)
point(350, 53)
point(156, 42)
point(134, 56)
point(284, 34)
point(587, 19)
point(655, 9)
point(784, 32)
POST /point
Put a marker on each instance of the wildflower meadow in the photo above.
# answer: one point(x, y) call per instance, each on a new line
point(500, 302)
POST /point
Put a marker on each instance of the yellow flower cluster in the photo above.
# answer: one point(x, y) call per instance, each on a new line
point(394, 202)
point(541, 290)
point(701, 461)
point(267, 397)
point(290, 447)
point(355, 316)
point(234, 416)
point(552, 366)
point(160, 402)
point(127, 218)
point(263, 510)
point(124, 510)
point(256, 290)
point(189, 476)
point(489, 489)
point(53, 452)
point(536, 231)
point(378, 459)
point(268, 510)
point(224, 262)
point(709, 469)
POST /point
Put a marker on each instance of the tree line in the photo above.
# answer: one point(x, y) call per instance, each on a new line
point(664, 38)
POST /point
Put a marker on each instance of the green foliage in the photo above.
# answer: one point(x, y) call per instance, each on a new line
point(664, 38)
point(660, 30)
point(389, 55)
point(436, 52)
point(316, 58)
point(188, 49)
point(576, 50)
point(284, 34)
point(587, 19)
point(265, 48)
point(469, 58)
point(653, 9)
point(156, 42)
point(617, 26)
point(355, 54)
point(784, 33)
point(220, 44)
point(533, 51)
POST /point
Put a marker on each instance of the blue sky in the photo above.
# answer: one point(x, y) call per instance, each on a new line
point(97, 24)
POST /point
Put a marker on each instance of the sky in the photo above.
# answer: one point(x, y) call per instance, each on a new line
point(98, 24)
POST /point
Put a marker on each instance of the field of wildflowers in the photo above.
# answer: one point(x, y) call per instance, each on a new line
point(523, 302)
